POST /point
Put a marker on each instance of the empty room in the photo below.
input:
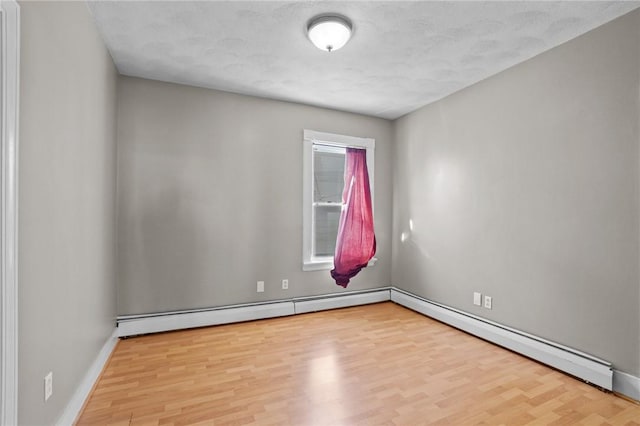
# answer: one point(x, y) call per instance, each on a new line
point(320, 212)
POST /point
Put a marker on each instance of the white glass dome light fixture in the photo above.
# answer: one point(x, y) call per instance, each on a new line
point(329, 32)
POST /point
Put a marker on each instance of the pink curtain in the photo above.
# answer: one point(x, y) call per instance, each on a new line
point(356, 242)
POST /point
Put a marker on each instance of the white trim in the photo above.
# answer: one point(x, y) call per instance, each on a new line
point(179, 321)
point(75, 404)
point(626, 384)
point(309, 263)
point(343, 301)
point(339, 140)
point(10, 15)
point(131, 325)
point(316, 264)
point(307, 211)
point(326, 264)
point(578, 364)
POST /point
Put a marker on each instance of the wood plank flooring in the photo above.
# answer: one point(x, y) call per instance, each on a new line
point(368, 365)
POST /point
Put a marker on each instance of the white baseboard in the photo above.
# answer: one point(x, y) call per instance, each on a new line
point(132, 325)
point(578, 364)
point(72, 410)
point(340, 301)
point(626, 384)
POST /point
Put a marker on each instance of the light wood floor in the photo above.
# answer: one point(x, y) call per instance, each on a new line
point(376, 364)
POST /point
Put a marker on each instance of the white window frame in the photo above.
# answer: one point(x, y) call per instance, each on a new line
point(311, 137)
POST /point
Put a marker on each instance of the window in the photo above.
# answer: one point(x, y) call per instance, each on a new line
point(323, 183)
point(328, 183)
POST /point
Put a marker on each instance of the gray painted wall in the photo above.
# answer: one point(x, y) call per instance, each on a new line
point(525, 187)
point(210, 197)
point(67, 303)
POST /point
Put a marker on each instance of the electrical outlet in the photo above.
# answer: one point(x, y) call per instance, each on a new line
point(477, 298)
point(285, 284)
point(487, 302)
point(48, 385)
point(260, 288)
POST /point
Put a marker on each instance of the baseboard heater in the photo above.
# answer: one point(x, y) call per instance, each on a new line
point(132, 325)
point(584, 366)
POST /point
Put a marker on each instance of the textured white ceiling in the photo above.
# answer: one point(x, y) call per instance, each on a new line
point(403, 54)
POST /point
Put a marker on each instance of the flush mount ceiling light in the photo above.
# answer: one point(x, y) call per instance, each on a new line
point(329, 32)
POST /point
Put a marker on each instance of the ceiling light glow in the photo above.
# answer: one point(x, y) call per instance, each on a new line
point(329, 32)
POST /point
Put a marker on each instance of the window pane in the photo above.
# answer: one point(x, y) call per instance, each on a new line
point(326, 229)
point(328, 179)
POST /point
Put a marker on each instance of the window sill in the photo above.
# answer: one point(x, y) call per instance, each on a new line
point(326, 264)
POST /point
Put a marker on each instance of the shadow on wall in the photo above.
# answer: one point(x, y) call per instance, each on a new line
point(173, 250)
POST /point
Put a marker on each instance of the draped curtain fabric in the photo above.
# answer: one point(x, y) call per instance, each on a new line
point(356, 241)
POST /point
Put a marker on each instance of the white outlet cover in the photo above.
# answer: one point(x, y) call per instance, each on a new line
point(487, 302)
point(477, 298)
point(260, 288)
point(285, 284)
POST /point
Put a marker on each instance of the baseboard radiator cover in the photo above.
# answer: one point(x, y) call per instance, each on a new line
point(313, 304)
point(169, 321)
point(576, 363)
point(132, 325)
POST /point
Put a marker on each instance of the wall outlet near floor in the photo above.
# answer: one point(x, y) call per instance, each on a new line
point(487, 302)
point(48, 385)
point(477, 298)
point(285, 284)
point(260, 288)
